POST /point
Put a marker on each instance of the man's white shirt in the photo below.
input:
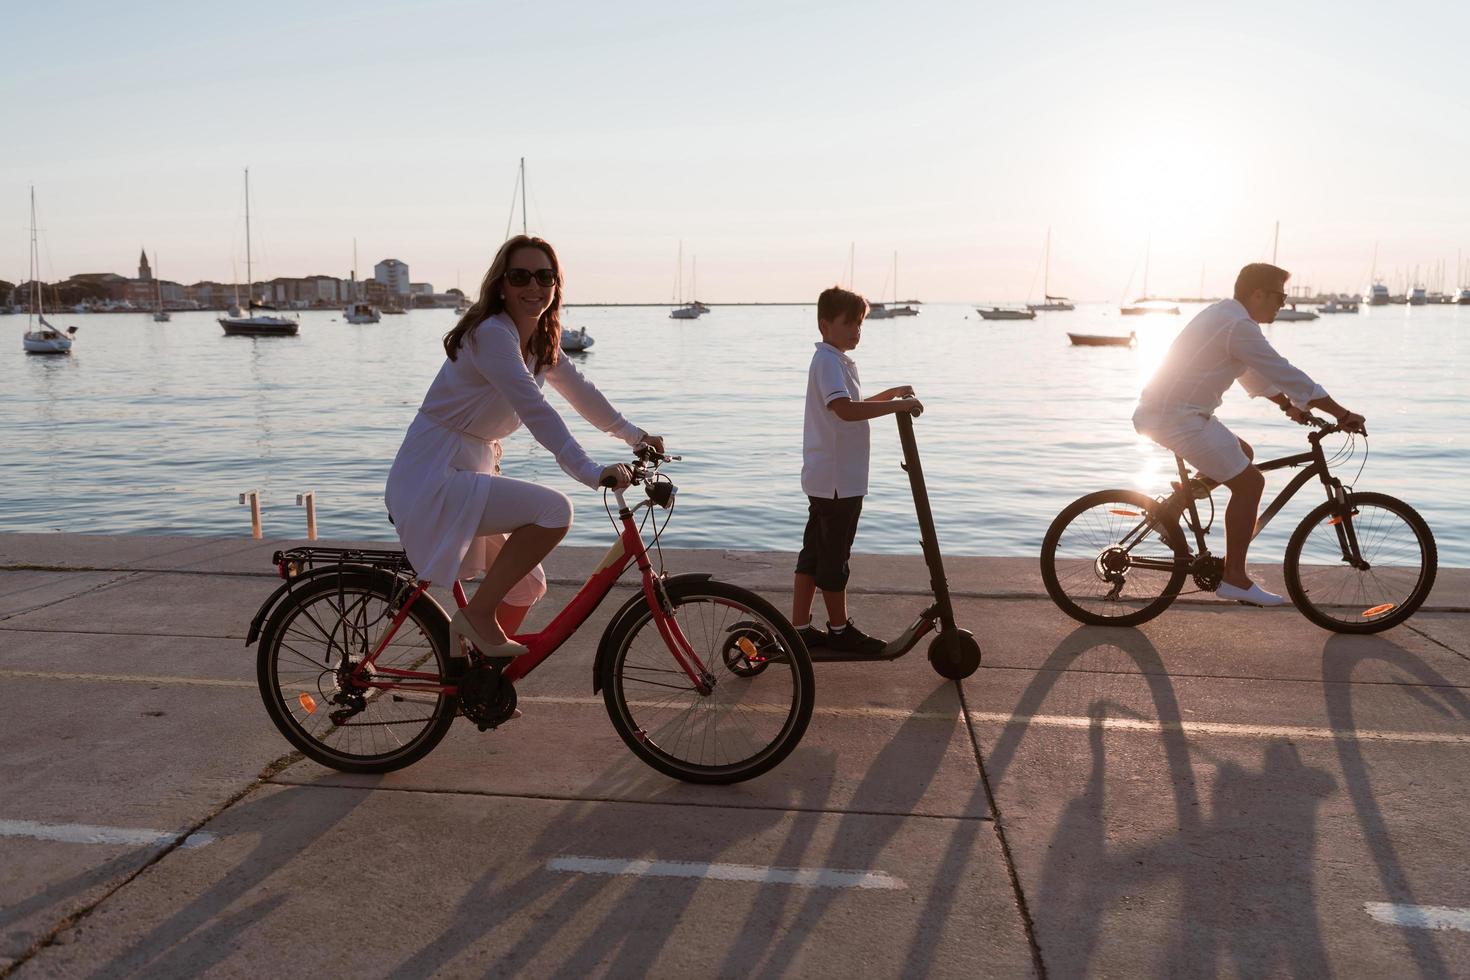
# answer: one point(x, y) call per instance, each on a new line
point(1221, 345)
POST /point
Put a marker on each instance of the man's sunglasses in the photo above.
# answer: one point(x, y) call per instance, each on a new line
point(522, 277)
point(1280, 296)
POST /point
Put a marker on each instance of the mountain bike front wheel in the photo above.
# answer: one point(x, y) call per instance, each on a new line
point(1399, 563)
point(757, 706)
point(1112, 559)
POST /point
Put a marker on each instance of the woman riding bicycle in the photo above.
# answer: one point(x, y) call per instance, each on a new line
point(455, 514)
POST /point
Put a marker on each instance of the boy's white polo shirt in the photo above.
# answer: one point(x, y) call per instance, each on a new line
point(835, 452)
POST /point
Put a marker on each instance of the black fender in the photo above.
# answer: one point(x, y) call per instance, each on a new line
point(623, 619)
point(390, 581)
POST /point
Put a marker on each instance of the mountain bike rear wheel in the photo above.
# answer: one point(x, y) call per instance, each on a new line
point(310, 644)
point(1395, 544)
point(758, 706)
point(1111, 559)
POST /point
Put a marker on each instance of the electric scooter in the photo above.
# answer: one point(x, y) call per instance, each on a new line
point(953, 653)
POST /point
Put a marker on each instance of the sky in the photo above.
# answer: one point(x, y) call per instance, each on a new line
point(774, 140)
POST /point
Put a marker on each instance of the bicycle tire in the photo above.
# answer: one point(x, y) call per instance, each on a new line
point(1071, 564)
point(777, 699)
point(297, 633)
point(1339, 598)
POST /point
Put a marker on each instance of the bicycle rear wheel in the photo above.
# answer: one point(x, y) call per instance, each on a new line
point(1395, 543)
point(750, 720)
point(1110, 559)
point(310, 644)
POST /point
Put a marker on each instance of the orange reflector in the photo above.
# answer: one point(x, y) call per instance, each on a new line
point(1378, 610)
point(1334, 521)
point(1124, 513)
point(308, 702)
point(746, 647)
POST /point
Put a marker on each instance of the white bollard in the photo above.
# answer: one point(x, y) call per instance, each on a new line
point(309, 499)
point(253, 496)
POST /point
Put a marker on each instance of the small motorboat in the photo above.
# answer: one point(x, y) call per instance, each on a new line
point(1288, 315)
point(576, 341)
point(690, 312)
point(1002, 313)
point(1102, 340)
point(48, 339)
point(1053, 304)
point(361, 313)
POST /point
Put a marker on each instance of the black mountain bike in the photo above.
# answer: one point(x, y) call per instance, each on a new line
point(1358, 563)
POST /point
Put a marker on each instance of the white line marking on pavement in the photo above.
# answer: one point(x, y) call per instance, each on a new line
point(801, 877)
point(1224, 728)
point(81, 833)
point(128, 678)
point(903, 714)
point(1419, 916)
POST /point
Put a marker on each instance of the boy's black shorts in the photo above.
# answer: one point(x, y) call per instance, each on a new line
point(831, 525)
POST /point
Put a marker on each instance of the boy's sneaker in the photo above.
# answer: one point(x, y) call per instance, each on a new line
point(812, 636)
point(850, 639)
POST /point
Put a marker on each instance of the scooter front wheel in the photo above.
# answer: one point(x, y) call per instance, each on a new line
point(954, 654)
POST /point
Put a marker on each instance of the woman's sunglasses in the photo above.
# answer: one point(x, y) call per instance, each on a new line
point(522, 277)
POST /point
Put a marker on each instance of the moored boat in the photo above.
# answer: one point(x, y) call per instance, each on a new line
point(45, 339)
point(1142, 307)
point(236, 324)
point(1004, 313)
point(576, 341)
point(1292, 313)
point(1102, 340)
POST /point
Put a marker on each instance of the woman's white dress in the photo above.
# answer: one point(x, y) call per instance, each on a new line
point(441, 480)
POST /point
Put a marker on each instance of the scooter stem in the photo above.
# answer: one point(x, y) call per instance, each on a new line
point(927, 536)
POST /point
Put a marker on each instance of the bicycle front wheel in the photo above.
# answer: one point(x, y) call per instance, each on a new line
point(1399, 563)
point(747, 722)
point(308, 648)
point(1111, 559)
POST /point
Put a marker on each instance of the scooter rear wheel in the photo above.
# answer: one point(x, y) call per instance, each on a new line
point(954, 654)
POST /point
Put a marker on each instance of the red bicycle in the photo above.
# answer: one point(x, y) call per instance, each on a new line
point(703, 680)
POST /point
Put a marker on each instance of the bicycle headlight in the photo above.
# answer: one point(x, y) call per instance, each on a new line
point(661, 493)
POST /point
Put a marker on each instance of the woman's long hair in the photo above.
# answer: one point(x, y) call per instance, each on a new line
point(546, 341)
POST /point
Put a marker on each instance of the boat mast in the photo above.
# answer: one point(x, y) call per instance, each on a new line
point(1275, 238)
point(157, 284)
point(38, 307)
point(1046, 272)
point(249, 273)
point(851, 257)
point(1147, 248)
point(523, 196)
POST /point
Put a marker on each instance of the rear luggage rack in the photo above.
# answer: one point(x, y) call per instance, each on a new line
point(294, 561)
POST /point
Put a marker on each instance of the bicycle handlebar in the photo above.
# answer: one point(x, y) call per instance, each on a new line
point(646, 461)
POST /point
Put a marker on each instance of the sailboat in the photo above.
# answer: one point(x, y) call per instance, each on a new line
point(1144, 305)
point(357, 311)
point(684, 311)
point(262, 325)
point(160, 315)
point(1053, 303)
point(44, 339)
point(878, 311)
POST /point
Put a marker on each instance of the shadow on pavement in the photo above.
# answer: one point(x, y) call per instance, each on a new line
point(1340, 657)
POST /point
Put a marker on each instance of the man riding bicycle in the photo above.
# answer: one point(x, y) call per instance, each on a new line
point(1222, 344)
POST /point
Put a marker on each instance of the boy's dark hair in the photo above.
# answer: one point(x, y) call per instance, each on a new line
point(836, 303)
point(1259, 275)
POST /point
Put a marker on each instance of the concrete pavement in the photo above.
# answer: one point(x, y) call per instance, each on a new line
point(1222, 791)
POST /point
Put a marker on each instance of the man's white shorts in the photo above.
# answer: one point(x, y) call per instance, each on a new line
point(1202, 440)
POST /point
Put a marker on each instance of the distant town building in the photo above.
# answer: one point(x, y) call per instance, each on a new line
point(393, 274)
point(144, 272)
point(421, 288)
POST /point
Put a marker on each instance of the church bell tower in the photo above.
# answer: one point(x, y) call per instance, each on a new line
point(144, 273)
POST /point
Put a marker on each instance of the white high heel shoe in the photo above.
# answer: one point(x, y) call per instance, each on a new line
point(460, 628)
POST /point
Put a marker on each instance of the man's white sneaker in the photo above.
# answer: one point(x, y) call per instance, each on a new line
point(1253, 596)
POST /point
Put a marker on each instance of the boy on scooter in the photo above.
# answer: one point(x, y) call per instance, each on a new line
point(834, 471)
